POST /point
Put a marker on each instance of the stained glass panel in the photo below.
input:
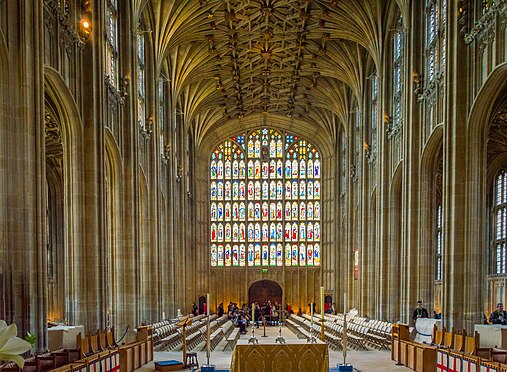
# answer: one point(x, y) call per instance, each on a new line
point(264, 201)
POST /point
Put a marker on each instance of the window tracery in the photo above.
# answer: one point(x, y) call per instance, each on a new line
point(499, 218)
point(265, 191)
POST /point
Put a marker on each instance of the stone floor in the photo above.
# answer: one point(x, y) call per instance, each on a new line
point(363, 361)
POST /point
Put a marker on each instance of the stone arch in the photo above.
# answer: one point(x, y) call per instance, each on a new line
point(477, 167)
point(304, 284)
point(113, 229)
point(263, 290)
point(431, 161)
point(59, 96)
point(144, 253)
point(394, 246)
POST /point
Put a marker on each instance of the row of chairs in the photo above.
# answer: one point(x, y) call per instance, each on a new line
point(377, 333)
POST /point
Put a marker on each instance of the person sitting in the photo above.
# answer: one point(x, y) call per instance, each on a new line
point(499, 316)
point(242, 325)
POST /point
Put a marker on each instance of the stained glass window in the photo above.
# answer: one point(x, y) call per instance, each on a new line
point(500, 223)
point(112, 42)
point(161, 116)
point(398, 50)
point(435, 49)
point(343, 163)
point(438, 244)
point(265, 191)
point(374, 114)
point(358, 140)
point(141, 87)
point(487, 5)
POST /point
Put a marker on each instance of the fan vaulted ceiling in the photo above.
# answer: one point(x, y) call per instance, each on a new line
point(303, 59)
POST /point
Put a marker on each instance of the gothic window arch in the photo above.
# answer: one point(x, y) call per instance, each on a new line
point(397, 78)
point(499, 223)
point(111, 38)
point(265, 201)
point(435, 47)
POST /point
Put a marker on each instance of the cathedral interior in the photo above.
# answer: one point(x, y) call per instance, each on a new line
point(155, 151)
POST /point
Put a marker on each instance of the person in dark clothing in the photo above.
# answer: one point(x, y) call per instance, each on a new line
point(195, 309)
point(242, 325)
point(419, 312)
point(499, 316)
point(220, 310)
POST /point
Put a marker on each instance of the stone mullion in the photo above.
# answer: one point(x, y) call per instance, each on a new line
point(126, 270)
point(346, 250)
point(383, 211)
point(413, 264)
point(25, 271)
point(328, 249)
point(456, 257)
point(38, 318)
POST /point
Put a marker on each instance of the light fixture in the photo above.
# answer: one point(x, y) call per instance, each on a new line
point(85, 28)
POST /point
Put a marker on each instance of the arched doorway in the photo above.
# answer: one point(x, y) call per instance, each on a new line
point(265, 290)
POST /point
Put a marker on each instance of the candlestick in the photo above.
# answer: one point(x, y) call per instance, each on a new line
point(208, 330)
point(322, 313)
point(344, 302)
point(253, 313)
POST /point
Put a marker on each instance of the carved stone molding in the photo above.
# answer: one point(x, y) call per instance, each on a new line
point(53, 141)
point(497, 140)
point(486, 24)
point(57, 13)
point(116, 96)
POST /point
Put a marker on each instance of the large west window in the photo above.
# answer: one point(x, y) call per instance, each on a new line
point(500, 223)
point(265, 191)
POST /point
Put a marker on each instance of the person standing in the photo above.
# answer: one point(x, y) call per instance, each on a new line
point(419, 312)
point(220, 310)
point(499, 316)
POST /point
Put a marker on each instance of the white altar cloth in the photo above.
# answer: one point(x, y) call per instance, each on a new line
point(424, 328)
point(63, 337)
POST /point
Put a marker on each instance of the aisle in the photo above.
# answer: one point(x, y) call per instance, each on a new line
point(364, 361)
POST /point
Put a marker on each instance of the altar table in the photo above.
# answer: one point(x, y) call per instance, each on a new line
point(63, 337)
point(296, 355)
point(492, 335)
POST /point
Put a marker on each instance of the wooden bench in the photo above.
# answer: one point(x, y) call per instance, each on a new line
point(232, 339)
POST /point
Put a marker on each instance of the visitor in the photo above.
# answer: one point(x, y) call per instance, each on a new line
point(419, 312)
point(499, 316)
point(195, 309)
point(220, 310)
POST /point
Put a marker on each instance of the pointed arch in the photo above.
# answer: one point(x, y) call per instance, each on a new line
point(58, 94)
point(113, 250)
